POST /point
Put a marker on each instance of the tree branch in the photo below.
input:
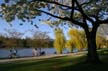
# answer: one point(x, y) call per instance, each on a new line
point(72, 11)
point(62, 18)
point(86, 3)
point(104, 21)
point(53, 2)
point(82, 12)
point(78, 23)
point(85, 24)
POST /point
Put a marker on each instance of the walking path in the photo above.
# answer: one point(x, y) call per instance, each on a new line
point(40, 57)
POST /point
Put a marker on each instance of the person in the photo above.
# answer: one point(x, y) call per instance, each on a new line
point(35, 52)
point(55, 52)
point(13, 53)
point(43, 53)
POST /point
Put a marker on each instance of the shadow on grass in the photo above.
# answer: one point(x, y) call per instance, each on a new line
point(83, 66)
point(86, 67)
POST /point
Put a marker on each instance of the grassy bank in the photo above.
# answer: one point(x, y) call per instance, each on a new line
point(64, 63)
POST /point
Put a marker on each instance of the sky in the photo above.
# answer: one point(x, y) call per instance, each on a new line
point(27, 27)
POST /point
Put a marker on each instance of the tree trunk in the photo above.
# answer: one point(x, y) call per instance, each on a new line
point(92, 56)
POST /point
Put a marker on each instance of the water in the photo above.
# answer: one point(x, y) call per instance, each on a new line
point(24, 52)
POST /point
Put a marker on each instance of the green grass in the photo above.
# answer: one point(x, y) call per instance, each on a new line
point(67, 63)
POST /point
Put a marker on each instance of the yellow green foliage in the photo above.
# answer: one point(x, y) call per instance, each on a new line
point(70, 45)
point(59, 41)
point(100, 41)
point(78, 38)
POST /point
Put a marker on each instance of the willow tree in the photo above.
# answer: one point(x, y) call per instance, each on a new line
point(70, 45)
point(59, 41)
point(84, 13)
point(100, 41)
point(103, 32)
point(78, 41)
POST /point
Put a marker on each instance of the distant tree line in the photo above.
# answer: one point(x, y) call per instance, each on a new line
point(39, 39)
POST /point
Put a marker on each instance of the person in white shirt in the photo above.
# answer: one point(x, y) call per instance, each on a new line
point(35, 52)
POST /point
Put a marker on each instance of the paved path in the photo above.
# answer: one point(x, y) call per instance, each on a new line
point(40, 57)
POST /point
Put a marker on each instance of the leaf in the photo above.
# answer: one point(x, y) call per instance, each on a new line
point(21, 24)
point(7, 1)
point(31, 22)
point(39, 19)
point(3, 4)
point(36, 26)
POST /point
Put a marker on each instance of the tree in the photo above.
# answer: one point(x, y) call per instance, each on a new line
point(59, 41)
point(10, 43)
point(26, 42)
point(14, 38)
point(41, 39)
point(103, 33)
point(13, 33)
point(79, 42)
point(84, 13)
point(103, 30)
point(70, 45)
point(100, 41)
point(2, 40)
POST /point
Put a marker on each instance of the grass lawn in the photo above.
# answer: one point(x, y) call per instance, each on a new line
point(66, 63)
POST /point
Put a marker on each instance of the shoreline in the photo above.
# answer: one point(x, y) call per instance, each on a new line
point(40, 57)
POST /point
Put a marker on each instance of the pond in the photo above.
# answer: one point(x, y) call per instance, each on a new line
point(26, 52)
